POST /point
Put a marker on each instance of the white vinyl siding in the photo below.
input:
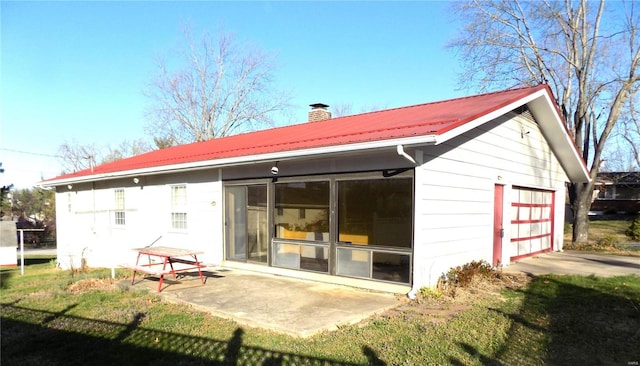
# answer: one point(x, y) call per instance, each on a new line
point(455, 192)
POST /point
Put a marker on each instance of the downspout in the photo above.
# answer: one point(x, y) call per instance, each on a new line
point(400, 149)
point(401, 152)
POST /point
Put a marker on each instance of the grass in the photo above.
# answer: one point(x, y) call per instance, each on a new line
point(53, 317)
point(605, 236)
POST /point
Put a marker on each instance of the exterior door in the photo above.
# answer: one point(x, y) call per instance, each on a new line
point(498, 230)
point(246, 223)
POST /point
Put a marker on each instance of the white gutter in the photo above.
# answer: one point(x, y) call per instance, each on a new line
point(401, 152)
point(243, 160)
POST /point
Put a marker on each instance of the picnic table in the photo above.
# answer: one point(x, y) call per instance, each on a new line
point(166, 260)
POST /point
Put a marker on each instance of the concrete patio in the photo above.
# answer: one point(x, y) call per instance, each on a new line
point(281, 304)
point(303, 308)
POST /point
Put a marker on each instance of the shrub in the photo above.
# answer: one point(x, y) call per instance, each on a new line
point(429, 293)
point(633, 231)
point(462, 276)
point(607, 241)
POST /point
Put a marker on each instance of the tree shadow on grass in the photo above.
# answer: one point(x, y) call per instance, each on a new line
point(5, 275)
point(565, 320)
point(35, 337)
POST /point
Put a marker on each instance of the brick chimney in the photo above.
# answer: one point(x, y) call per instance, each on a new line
point(319, 112)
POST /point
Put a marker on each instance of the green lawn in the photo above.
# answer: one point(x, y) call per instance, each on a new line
point(605, 236)
point(51, 317)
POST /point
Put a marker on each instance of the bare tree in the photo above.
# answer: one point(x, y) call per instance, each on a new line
point(588, 55)
point(75, 157)
point(345, 109)
point(630, 132)
point(341, 109)
point(219, 88)
point(125, 149)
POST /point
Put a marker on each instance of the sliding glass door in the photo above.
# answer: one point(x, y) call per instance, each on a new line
point(353, 225)
point(246, 223)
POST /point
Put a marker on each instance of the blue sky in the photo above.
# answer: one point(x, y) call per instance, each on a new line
point(74, 71)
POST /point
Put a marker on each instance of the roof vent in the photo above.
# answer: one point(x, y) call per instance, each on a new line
point(319, 112)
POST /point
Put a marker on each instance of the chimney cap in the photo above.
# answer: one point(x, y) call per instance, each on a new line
point(318, 106)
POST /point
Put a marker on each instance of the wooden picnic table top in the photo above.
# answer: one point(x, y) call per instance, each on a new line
point(162, 251)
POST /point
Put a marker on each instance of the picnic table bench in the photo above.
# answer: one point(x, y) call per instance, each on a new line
point(168, 261)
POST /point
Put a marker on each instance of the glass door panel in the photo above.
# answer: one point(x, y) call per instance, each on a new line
point(246, 223)
point(236, 223)
point(257, 238)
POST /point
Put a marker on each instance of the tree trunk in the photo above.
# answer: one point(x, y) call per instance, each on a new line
point(581, 196)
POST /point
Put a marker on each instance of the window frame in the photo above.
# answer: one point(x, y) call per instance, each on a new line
point(119, 214)
point(333, 245)
point(336, 224)
point(279, 211)
point(178, 207)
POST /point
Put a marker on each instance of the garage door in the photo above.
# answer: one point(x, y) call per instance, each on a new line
point(531, 222)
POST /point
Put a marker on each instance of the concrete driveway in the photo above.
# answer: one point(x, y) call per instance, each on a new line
point(577, 263)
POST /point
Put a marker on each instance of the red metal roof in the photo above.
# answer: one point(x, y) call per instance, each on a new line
point(418, 120)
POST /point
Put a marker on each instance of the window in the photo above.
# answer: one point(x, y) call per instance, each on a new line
point(119, 211)
point(302, 211)
point(179, 207)
point(302, 214)
point(375, 212)
point(375, 219)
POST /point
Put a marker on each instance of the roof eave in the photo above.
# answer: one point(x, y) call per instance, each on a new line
point(544, 110)
point(243, 160)
point(542, 107)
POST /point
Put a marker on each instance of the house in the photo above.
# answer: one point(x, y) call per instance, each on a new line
point(387, 200)
point(617, 193)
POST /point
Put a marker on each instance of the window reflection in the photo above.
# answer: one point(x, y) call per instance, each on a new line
point(375, 212)
point(301, 211)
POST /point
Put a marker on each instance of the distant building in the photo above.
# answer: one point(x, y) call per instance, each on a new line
point(617, 193)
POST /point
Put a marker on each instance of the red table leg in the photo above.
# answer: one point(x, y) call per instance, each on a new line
point(133, 280)
point(195, 258)
point(164, 266)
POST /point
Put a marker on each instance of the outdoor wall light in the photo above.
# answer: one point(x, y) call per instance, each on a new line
point(70, 187)
point(274, 169)
point(136, 180)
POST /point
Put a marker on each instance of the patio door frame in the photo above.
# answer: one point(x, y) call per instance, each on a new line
point(231, 224)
